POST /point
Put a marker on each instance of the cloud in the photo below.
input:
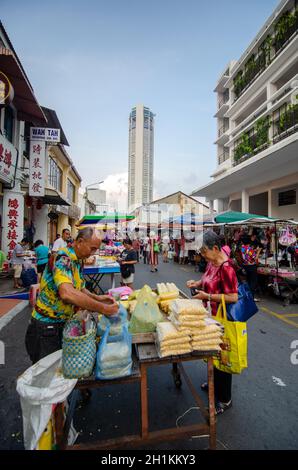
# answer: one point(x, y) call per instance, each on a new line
point(116, 187)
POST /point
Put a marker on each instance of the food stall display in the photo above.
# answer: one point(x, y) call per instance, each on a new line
point(123, 358)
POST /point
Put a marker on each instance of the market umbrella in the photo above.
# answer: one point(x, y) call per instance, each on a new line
point(232, 216)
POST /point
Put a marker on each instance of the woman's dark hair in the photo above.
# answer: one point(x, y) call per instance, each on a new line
point(246, 240)
point(127, 241)
point(38, 243)
point(211, 239)
point(222, 239)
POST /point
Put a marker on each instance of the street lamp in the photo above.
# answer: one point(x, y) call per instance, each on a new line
point(86, 194)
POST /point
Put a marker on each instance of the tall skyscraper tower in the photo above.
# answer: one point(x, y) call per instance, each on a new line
point(140, 158)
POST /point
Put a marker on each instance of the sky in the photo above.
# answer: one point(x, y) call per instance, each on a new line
point(93, 61)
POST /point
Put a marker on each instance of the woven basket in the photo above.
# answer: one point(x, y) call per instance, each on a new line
point(78, 354)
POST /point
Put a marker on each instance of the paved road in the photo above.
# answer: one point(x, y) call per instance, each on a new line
point(264, 413)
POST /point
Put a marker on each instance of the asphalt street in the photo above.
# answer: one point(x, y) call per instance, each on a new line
point(264, 413)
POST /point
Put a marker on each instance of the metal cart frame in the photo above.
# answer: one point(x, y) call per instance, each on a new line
point(146, 437)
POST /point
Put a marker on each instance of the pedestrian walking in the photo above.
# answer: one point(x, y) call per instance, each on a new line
point(250, 252)
point(165, 250)
point(154, 251)
point(219, 279)
point(61, 242)
point(42, 257)
point(17, 261)
point(136, 247)
point(146, 251)
point(127, 260)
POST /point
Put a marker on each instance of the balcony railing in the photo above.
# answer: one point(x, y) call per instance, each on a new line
point(249, 147)
point(254, 68)
point(288, 28)
point(286, 125)
point(285, 30)
point(223, 101)
point(257, 140)
point(222, 130)
point(223, 157)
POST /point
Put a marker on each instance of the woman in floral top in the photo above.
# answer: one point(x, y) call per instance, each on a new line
point(250, 251)
point(219, 279)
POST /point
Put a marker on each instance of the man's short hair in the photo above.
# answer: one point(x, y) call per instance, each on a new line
point(65, 230)
point(87, 233)
point(25, 240)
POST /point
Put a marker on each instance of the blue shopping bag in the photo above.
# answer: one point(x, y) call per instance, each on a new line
point(245, 307)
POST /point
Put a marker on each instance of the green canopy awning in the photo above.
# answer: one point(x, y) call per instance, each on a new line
point(112, 217)
point(232, 216)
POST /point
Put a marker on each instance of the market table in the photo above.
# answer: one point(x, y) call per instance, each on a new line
point(286, 282)
point(146, 356)
point(94, 274)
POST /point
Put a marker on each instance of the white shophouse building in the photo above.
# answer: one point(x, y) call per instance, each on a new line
point(257, 116)
point(141, 156)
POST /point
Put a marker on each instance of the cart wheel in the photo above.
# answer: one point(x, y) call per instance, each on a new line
point(176, 375)
point(286, 302)
point(178, 382)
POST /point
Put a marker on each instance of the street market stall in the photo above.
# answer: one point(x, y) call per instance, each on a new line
point(277, 235)
point(93, 274)
point(165, 327)
point(104, 264)
point(146, 356)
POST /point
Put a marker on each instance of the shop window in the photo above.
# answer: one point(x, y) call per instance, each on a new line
point(70, 191)
point(54, 174)
point(8, 123)
point(287, 198)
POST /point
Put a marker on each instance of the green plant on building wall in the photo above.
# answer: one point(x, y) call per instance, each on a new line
point(266, 49)
point(243, 148)
point(284, 24)
point(238, 83)
point(261, 131)
point(289, 117)
point(260, 137)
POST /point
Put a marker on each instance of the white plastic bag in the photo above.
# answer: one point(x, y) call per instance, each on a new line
point(39, 387)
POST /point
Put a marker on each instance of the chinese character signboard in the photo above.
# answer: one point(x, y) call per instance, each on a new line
point(8, 159)
point(37, 168)
point(13, 220)
point(45, 133)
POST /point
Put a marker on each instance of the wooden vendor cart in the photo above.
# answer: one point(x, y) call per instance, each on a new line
point(145, 356)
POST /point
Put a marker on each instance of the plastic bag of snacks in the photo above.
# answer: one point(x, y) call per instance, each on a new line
point(146, 314)
point(115, 323)
point(114, 356)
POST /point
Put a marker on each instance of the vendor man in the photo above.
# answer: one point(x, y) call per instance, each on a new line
point(62, 293)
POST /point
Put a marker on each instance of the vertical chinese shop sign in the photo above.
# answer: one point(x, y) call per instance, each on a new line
point(13, 220)
point(37, 168)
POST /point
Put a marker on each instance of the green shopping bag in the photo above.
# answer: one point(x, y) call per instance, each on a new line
point(233, 356)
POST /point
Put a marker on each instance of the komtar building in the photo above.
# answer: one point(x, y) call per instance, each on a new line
point(141, 156)
point(257, 124)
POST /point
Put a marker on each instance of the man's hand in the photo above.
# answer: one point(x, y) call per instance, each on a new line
point(106, 299)
point(109, 310)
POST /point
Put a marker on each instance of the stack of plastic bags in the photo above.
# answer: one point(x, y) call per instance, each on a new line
point(207, 338)
point(170, 341)
point(188, 315)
